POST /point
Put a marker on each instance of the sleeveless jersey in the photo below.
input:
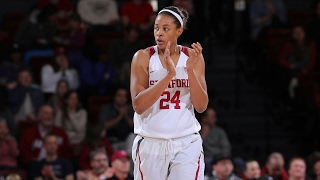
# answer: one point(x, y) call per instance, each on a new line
point(172, 115)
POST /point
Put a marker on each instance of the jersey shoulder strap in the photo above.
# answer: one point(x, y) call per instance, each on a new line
point(151, 51)
point(184, 49)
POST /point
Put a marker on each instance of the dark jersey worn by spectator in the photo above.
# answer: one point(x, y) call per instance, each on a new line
point(61, 167)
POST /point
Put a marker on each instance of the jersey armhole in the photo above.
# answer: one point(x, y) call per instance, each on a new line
point(184, 49)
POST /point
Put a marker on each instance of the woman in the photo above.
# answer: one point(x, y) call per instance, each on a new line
point(167, 83)
point(72, 118)
point(56, 100)
point(59, 69)
point(299, 55)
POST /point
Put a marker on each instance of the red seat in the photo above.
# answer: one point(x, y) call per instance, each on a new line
point(300, 17)
point(95, 104)
point(105, 38)
point(276, 40)
point(22, 173)
point(25, 124)
point(12, 21)
point(36, 64)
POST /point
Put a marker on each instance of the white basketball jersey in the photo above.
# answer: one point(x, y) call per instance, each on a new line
point(172, 115)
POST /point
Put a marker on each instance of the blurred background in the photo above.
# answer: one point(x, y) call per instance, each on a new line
point(262, 67)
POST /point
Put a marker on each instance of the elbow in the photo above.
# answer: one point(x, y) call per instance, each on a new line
point(201, 109)
point(139, 110)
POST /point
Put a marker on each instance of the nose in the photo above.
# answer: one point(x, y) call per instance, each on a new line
point(159, 33)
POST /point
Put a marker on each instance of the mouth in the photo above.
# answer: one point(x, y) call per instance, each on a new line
point(160, 41)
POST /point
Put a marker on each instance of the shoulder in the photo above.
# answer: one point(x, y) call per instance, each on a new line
point(47, 67)
point(59, 131)
point(143, 55)
point(31, 130)
point(82, 111)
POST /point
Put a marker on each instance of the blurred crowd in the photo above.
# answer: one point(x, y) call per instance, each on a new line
point(65, 110)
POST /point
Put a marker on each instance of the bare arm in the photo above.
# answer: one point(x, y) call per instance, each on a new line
point(196, 70)
point(143, 96)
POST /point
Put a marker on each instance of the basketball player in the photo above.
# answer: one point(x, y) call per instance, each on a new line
point(167, 83)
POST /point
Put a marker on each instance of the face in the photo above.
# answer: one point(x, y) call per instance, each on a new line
point(121, 165)
point(297, 168)
point(223, 168)
point(99, 163)
point(24, 78)
point(61, 60)
point(166, 30)
point(74, 24)
point(210, 117)
point(252, 170)
point(275, 165)
point(51, 145)
point(317, 169)
point(3, 130)
point(121, 97)
point(62, 88)
point(298, 34)
point(16, 56)
point(132, 36)
point(72, 100)
point(46, 116)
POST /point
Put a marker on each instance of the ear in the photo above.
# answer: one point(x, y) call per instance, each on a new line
point(180, 31)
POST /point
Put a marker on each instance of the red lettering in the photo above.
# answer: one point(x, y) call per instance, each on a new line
point(151, 82)
point(178, 82)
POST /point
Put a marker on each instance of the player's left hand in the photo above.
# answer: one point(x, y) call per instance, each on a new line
point(194, 55)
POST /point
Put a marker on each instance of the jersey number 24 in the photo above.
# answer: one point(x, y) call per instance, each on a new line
point(166, 100)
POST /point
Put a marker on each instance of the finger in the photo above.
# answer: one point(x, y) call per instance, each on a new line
point(198, 47)
point(196, 50)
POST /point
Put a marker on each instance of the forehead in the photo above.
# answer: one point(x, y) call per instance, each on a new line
point(297, 161)
point(253, 164)
point(163, 19)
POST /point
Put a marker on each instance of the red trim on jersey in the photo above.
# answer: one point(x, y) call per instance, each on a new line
point(185, 50)
point(139, 166)
point(198, 169)
point(151, 50)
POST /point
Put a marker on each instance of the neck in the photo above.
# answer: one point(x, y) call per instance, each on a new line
point(51, 157)
point(121, 175)
point(221, 177)
point(174, 49)
point(47, 128)
point(71, 109)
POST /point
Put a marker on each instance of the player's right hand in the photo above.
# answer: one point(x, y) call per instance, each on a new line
point(169, 63)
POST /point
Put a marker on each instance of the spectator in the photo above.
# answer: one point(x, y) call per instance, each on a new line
point(100, 167)
point(117, 118)
point(314, 27)
point(13, 176)
point(9, 69)
point(64, 8)
point(76, 35)
point(121, 166)
point(222, 169)
point(56, 99)
point(32, 138)
point(297, 169)
point(275, 167)
point(37, 32)
point(316, 169)
point(72, 118)
point(265, 14)
point(215, 140)
point(138, 12)
point(25, 99)
point(252, 170)
point(52, 166)
point(8, 148)
point(121, 52)
point(95, 139)
point(51, 74)
point(300, 54)
point(98, 78)
point(98, 12)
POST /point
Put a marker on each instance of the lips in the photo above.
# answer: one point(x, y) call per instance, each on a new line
point(160, 41)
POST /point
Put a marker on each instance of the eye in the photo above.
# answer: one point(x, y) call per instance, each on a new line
point(156, 28)
point(166, 29)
